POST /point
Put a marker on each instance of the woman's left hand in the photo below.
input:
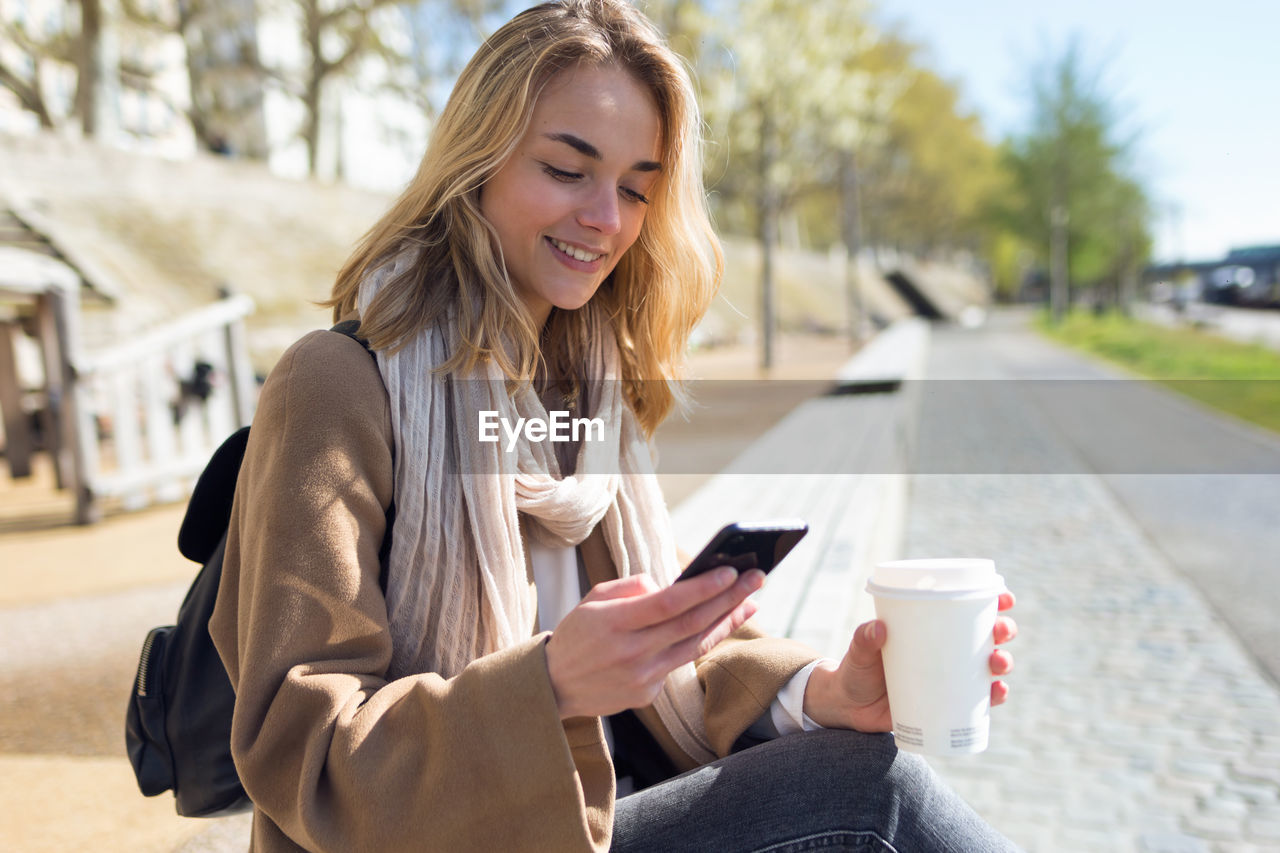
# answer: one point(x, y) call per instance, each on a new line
point(852, 695)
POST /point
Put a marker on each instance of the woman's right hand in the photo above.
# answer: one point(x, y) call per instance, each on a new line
point(614, 650)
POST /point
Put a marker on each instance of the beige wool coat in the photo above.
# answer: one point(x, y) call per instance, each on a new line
point(335, 756)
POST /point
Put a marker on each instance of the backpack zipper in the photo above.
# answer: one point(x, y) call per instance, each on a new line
point(144, 664)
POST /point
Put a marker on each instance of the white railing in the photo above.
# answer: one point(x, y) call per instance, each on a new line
point(150, 411)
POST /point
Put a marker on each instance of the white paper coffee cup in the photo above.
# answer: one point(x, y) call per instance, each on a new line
point(939, 615)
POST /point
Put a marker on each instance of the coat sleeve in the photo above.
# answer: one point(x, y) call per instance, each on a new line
point(742, 676)
point(333, 755)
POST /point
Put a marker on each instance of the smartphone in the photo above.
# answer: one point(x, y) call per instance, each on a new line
point(748, 545)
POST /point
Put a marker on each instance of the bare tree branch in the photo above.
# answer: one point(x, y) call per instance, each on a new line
point(156, 21)
point(28, 94)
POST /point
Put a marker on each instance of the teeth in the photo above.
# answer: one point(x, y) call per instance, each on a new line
point(573, 252)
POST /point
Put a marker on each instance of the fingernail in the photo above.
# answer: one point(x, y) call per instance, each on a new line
point(726, 576)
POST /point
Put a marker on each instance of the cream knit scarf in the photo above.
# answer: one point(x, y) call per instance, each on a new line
point(457, 584)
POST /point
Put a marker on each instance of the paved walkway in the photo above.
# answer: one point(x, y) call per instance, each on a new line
point(1137, 722)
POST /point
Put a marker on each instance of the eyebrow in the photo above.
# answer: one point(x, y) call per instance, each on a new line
point(586, 148)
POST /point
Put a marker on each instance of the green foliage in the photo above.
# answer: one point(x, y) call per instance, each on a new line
point(1167, 353)
point(1007, 257)
point(781, 90)
point(929, 185)
point(1071, 157)
point(796, 92)
point(1235, 377)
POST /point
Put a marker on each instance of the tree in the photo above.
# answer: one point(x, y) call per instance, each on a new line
point(785, 81)
point(338, 37)
point(855, 126)
point(1076, 202)
point(98, 66)
point(825, 120)
point(442, 36)
point(335, 37)
point(225, 74)
point(22, 71)
point(77, 36)
point(929, 182)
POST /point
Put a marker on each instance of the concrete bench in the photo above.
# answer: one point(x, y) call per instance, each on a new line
point(838, 462)
point(897, 353)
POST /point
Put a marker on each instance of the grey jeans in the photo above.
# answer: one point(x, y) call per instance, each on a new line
point(823, 790)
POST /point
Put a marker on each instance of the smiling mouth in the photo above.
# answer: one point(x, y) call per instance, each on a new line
point(574, 252)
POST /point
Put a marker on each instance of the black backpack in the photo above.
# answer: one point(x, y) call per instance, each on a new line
point(178, 724)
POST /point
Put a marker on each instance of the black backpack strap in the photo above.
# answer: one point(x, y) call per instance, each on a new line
point(351, 328)
point(209, 509)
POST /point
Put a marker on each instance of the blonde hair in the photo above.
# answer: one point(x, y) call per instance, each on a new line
point(658, 291)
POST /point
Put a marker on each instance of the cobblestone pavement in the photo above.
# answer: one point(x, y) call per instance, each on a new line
point(1137, 720)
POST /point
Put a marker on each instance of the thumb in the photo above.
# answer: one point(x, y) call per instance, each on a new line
point(868, 640)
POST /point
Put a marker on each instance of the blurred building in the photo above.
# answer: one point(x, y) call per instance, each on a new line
point(1249, 275)
point(1246, 276)
point(218, 75)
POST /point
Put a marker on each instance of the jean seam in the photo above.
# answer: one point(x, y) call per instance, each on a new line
point(790, 844)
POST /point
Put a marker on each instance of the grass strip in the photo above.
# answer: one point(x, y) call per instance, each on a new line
point(1238, 378)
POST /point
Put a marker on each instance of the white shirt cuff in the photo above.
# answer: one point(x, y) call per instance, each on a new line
point(787, 710)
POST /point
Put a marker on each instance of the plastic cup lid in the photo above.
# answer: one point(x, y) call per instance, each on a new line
point(936, 578)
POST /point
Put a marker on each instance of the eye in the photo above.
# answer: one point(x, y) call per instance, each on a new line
point(632, 195)
point(560, 174)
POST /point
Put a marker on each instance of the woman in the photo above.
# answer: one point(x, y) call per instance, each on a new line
point(553, 253)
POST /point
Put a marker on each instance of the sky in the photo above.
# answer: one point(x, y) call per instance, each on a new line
point(1199, 82)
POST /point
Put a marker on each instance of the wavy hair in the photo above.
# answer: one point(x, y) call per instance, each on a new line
point(659, 289)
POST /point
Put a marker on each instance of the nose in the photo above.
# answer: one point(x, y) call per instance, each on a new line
point(601, 211)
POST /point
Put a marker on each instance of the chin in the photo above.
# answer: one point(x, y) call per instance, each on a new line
point(574, 301)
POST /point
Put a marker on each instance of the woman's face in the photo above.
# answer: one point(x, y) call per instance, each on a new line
point(572, 197)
